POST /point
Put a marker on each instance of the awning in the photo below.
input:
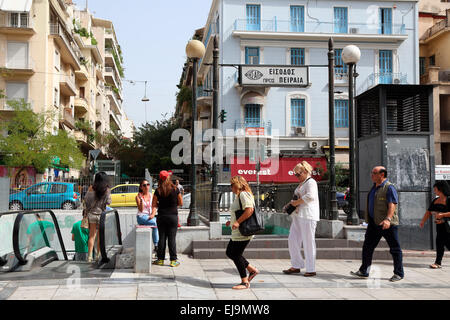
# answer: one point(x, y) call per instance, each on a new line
point(252, 98)
point(16, 5)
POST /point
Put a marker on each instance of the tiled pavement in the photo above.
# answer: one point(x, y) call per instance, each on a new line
point(213, 279)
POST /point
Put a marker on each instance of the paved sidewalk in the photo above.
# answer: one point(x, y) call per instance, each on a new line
point(213, 279)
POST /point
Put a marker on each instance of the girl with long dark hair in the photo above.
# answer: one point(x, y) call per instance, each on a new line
point(95, 202)
point(166, 200)
point(439, 209)
point(144, 215)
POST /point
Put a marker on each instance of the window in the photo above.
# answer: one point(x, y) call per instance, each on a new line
point(340, 69)
point(340, 20)
point(133, 189)
point(251, 55)
point(297, 112)
point(252, 115)
point(385, 62)
point(82, 92)
point(121, 189)
point(18, 20)
point(297, 56)
point(432, 60)
point(17, 57)
point(253, 17)
point(17, 91)
point(39, 189)
point(56, 98)
point(385, 21)
point(297, 18)
point(57, 60)
point(58, 188)
point(341, 113)
point(422, 65)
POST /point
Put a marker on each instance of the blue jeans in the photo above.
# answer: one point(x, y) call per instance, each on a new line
point(144, 221)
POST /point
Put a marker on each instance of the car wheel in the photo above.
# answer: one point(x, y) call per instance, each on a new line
point(15, 206)
point(68, 205)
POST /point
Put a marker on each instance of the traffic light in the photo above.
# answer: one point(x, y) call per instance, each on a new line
point(223, 116)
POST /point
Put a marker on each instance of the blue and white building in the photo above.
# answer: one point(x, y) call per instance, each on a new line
point(296, 32)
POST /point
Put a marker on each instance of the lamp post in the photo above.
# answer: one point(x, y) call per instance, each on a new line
point(333, 214)
point(145, 100)
point(195, 50)
point(214, 214)
point(351, 55)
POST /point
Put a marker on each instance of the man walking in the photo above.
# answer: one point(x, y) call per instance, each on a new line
point(382, 218)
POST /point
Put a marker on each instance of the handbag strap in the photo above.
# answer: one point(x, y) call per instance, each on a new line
point(240, 203)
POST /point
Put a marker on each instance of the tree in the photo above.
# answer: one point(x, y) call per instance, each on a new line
point(26, 142)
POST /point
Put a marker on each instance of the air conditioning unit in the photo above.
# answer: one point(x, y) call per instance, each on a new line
point(299, 131)
point(396, 81)
point(313, 144)
point(354, 30)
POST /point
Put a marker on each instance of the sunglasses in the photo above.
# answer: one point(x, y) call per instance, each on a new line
point(298, 174)
point(146, 184)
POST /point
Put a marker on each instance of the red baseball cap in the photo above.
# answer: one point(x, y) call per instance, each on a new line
point(163, 175)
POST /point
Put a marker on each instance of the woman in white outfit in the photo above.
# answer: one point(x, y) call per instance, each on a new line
point(304, 221)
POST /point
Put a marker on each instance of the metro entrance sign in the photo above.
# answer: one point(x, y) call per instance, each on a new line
point(274, 75)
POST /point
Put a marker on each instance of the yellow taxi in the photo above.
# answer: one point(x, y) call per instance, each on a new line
point(124, 195)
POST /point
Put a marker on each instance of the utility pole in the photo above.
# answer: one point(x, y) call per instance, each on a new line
point(214, 213)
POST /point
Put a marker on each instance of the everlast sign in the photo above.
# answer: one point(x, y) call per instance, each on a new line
point(275, 76)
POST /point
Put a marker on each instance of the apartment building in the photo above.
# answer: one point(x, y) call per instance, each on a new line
point(282, 33)
point(434, 62)
point(55, 57)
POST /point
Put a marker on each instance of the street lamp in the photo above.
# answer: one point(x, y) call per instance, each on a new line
point(194, 50)
point(351, 55)
point(145, 100)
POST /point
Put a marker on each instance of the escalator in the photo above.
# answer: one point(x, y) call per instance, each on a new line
point(32, 247)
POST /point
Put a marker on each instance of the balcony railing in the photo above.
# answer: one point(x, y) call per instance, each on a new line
point(67, 118)
point(386, 78)
point(17, 21)
point(441, 25)
point(203, 92)
point(276, 25)
point(253, 128)
point(57, 30)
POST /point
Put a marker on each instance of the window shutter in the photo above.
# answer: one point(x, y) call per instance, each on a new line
point(17, 55)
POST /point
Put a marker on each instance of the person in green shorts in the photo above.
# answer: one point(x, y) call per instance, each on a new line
point(80, 236)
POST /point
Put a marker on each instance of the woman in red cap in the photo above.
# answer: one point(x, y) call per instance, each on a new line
point(166, 200)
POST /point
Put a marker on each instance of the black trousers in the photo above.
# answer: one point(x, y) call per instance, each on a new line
point(235, 249)
point(372, 238)
point(442, 241)
point(167, 229)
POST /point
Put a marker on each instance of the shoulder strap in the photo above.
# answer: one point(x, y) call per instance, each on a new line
point(240, 203)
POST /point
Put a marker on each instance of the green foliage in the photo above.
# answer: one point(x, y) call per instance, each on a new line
point(185, 94)
point(342, 176)
point(118, 63)
point(28, 143)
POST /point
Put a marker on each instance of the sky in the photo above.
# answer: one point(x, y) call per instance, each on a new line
point(153, 35)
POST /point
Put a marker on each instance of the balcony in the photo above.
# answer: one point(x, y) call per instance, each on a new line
point(99, 71)
point(84, 139)
point(67, 118)
point(204, 92)
point(18, 69)
point(386, 78)
point(111, 63)
point(67, 85)
point(253, 128)
point(17, 24)
point(434, 31)
point(289, 29)
point(115, 123)
point(112, 77)
point(114, 101)
point(69, 50)
point(81, 105)
point(82, 74)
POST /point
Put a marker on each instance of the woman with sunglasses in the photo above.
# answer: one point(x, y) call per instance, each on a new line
point(144, 215)
point(304, 222)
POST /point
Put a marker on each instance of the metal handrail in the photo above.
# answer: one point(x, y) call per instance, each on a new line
point(16, 230)
point(101, 233)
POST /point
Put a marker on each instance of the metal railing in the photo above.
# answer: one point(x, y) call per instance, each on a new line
point(17, 21)
point(441, 25)
point(386, 78)
point(58, 30)
point(253, 128)
point(275, 25)
point(204, 92)
point(67, 116)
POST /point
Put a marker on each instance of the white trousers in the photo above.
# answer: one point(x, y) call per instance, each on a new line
point(302, 232)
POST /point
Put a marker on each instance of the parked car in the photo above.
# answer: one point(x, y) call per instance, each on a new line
point(124, 195)
point(46, 195)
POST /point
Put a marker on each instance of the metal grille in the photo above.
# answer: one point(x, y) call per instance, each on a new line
point(297, 56)
point(341, 113)
point(368, 116)
point(251, 55)
point(297, 112)
point(338, 61)
point(385, 21)
point(340, 20)
point(252, 115)
point(253, 17)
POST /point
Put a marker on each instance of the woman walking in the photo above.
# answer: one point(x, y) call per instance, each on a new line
point(166, 200)
point(244, 200)
point(439, 209)
point(95, 202)
point(144, 204)
point(304, 221)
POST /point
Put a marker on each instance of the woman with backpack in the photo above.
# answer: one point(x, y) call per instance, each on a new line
point(439, 209)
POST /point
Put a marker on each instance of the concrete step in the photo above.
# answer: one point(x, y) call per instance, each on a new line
point(283, 253)
point(282, 243)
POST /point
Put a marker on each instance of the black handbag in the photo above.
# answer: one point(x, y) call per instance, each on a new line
point(290, 208)
point(253, 224)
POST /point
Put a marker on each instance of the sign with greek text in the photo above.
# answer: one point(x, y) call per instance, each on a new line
point(275, 76)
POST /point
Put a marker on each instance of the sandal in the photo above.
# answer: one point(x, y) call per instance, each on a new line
point(242, 285)
point(435, 266)
point(252, 274)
